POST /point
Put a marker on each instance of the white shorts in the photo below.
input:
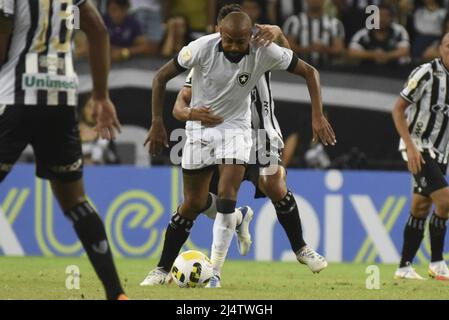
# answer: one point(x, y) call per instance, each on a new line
point(218, 145)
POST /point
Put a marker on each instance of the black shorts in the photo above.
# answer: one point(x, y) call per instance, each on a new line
point(252, 174)
point(432, 176)
point(53, 133)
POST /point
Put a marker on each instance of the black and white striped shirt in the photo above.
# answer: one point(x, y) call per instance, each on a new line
point(427, 90)
point(39, 66)
point(307, 31)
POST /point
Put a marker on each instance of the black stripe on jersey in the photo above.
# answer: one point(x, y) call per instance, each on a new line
point(415, 117)
point(42, 95)
point(433, 100)
point(19, 95)
point(425, 77)
point(267, 79)
point(445, 119)
point(62, 96)
point(259, 109)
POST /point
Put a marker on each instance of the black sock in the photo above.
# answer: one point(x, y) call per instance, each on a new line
point(178, 231)
point(413, 235)
point(437, 230)
point(92, 234)
point(288, 216)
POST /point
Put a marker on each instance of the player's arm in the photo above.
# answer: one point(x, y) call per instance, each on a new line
point(98, 39)
point(320, 125)
point(183, 112)
point(6, 25)
point(157, 135)
point(414, 157)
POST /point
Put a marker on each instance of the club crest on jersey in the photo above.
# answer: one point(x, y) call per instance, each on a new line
point(243, 78)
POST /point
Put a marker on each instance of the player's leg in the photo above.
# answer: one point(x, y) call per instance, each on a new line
point(272, 182)
point(437, 230)
point(91, 231)
point(413, 235)
point(57, 148)
point(14, 136)
point(231, 176)
point(195, 188)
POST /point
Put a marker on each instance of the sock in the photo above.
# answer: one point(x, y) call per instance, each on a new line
point(288, 216)
point(178, 231)
point(413, 235)
point(224, 227)
point(437, 230)
point(92, 234)
point(211, 207)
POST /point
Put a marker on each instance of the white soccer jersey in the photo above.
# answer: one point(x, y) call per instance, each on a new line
point(225, 86)
point(39, 67)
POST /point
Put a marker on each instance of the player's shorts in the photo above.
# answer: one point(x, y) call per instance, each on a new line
point(53, 133)
point(431, 178)
point(252, 174)
point(212, 146)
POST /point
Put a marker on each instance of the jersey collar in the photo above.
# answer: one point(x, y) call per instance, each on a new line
point(230, 58)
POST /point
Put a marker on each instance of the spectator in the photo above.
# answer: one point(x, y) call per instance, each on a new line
point(148, 13)
point(432, 51)
point(177, 36)
point(126, 36)
point(199, 13)
point(388, 45)
point(314, 36)
point(428, 20)
point(95, 150)
point(279, 11)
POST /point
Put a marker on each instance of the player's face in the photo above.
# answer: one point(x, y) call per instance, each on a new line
point(444, 50)
point(235, 43)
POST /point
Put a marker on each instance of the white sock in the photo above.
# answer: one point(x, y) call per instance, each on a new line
point(211, 212)
point(224, 227)
point(238, 217)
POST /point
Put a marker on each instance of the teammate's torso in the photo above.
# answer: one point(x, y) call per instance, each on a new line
point(39, 67)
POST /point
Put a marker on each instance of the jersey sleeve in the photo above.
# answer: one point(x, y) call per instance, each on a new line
point(416, 84)
point(189, 56)
point(7, 7)
point(188, 82)
point(278, 58)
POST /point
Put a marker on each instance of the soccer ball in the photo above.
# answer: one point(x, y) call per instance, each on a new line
point(192, 269)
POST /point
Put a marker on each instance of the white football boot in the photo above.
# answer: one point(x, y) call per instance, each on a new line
point(312, 259)
point(242, 231)
point(407, 273)
point(438, 270)
point(214, 282)
point(156, 277)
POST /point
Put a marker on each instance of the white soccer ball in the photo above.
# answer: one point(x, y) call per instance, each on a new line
point(192, 269)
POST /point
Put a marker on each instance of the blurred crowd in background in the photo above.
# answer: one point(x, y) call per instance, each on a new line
point(325, 33)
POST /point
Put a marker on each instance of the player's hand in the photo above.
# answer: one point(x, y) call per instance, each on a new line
point(415, 159)
point(323, 130)
point(266, 34)
point(107, 124)
point(157, 138)
point(206, 116)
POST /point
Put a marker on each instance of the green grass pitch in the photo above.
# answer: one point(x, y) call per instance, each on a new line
point(45, 278)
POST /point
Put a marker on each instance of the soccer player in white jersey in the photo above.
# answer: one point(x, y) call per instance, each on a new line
point(38, 98)
point(421, 116)
point(226, 69)
point(269, 179)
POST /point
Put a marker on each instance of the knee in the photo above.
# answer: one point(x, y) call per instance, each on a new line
point(442, 208)
point(273, 187)
point(421, 209)
point(193, 206)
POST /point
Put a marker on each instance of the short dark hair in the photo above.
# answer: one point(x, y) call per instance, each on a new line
point(224, 11)
point(120, 3)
